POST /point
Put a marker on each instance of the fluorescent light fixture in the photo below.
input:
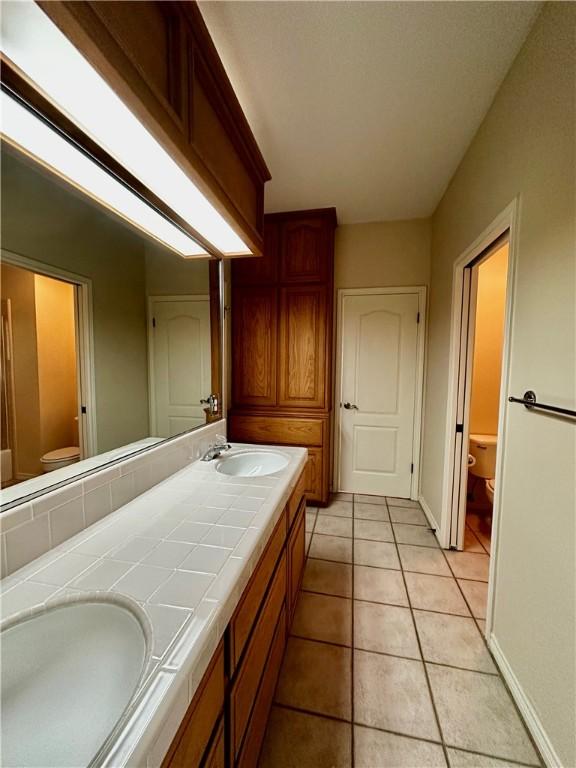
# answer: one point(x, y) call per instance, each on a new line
point(48, 58)
point(35, 138)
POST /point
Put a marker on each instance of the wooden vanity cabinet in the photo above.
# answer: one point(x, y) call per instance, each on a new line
point(157, 55)
point(282, 341)
point(225, 724)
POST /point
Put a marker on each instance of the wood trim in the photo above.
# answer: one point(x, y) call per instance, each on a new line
point(328, 213)
point(296, 556)
point(297, 498)
point(195, 732)
point(248, 609)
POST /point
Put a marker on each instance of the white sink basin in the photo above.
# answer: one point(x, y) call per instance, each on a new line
point(68, 674)
point(252, 464)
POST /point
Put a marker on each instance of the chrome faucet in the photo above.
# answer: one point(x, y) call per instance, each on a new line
point(217, 449)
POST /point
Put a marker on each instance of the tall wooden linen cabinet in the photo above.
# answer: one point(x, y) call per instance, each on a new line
point(282, 341)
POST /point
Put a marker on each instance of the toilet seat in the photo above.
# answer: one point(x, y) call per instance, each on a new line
point(61, 454)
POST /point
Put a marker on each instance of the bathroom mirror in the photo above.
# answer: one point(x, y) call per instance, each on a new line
point(111, 341)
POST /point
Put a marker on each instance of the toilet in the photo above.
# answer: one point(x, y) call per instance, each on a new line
point(61, 457)
point(483, 452)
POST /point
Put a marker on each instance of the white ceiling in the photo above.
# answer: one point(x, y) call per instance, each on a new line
point(368, 106)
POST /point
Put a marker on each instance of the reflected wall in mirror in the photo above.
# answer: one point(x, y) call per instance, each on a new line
point(110, 341)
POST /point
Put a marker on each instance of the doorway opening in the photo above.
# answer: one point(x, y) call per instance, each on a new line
point(41, 392)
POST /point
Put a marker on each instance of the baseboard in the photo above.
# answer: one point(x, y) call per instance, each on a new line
point(543, 743)
point(428, 513)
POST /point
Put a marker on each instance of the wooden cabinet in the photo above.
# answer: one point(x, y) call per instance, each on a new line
point(254, 346)
point(296, 554)
point(302, 347)
point(226, 721)
point(282, 364)
point(159, 58)
point(194, 735)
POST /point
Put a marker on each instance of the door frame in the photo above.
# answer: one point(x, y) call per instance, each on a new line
point(150, 299)
point(421, 292)
point(506, 221)
point(84, 319)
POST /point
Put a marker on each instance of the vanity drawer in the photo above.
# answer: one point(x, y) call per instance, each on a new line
point(194, 734)
point(297, 496)
point(296, 555)
point(259, 719)
point(245, 687)
point(245, 615)
point(276, 430)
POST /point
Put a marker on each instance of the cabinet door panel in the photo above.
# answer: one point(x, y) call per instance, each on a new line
point(303, 344)
point(305, 253)
point(314, 480)
point(263, 269)
point(296, 551)
point(254, 345)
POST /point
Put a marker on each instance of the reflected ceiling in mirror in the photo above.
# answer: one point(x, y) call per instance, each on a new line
point(111, 342)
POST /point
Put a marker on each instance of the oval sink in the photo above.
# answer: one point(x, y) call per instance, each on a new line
point(68, 674)
point(252, 464)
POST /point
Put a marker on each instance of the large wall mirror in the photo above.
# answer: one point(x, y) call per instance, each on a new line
point(110, 340)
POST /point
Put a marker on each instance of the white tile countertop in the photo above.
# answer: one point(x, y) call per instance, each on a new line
point(183, 551)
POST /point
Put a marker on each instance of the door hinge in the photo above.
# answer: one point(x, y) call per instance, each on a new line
point(459, 428)
point(418, 317)
point(411, 469)
point(82, 409)
point(153, 322)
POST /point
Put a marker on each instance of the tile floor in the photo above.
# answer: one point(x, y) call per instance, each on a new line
point(387, 666)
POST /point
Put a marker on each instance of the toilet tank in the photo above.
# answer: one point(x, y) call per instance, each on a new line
point(483, 448)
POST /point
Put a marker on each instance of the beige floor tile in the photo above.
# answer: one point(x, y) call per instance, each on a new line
point(373, 529)
point(395, 502)
point(423, 560)
point(307, 540)
point(453, 640)
point(310, 520)
point(380, 585)
point(376, 553)
point(471, 543)
point(334, 526)
point(392, 694)
point(341, 496)
point(435, 593)
point(411, 515)
point(377, 749)
point(459, 759)
point(316, 677)
point(485, 540)
point(415, 534)
point(368, 498)
point(476, 713)
point(323, 617)
point(297, 740)
point(331, 548)
point(370, 512)
point(337, 509)
point(469, 565)
point(476, 593)
point(385, 629)
point(482, 625)
point(329, 578)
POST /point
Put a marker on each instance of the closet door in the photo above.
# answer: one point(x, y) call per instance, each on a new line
point(254, 324)
point(303, 347)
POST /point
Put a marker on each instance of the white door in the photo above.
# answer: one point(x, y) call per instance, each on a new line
point(378, 392)
point(180, 364)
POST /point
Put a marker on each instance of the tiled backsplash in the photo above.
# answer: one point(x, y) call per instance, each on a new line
point(31, 529)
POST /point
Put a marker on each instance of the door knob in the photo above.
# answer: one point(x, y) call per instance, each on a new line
point(350, 407)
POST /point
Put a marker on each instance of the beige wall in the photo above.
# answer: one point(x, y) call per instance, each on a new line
point(56, 341)
point(18, 286)
point(488, 343)
point(382, 254)
point(524, 148)
point(168, 276)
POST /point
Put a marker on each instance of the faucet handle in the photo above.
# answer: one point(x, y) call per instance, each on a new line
point(220, 439)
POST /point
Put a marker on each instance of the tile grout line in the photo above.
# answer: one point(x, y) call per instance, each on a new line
point(500, 676)
point(430, 693)
point(336, 719)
